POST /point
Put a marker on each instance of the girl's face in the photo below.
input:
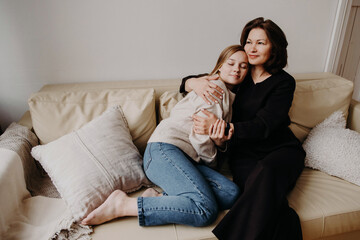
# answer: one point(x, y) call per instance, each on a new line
point(234, 69)
point(257, 47)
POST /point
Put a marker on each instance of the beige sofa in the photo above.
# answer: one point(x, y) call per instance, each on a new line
point(329, 207)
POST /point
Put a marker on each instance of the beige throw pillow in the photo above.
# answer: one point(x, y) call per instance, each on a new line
point(88, 164)
point(315, 99)
point(63, 109)
point(167, 101)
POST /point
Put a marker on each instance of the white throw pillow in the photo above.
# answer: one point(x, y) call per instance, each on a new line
point(88, 164)
point(333, 149)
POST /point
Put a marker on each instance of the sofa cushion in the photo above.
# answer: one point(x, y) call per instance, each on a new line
point(88, 164)
point(327, 206)
point(333, 149)
point(167, 101)
point(315, 98)
point(56, 113)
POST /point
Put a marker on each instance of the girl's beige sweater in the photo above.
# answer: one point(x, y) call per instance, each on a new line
point(177, 128)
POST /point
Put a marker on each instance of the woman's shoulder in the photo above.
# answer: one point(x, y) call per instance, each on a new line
point(282, 81)
point(284, 76)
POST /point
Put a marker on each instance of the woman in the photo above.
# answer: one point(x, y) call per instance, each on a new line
point(174, 157)
point(264, 155)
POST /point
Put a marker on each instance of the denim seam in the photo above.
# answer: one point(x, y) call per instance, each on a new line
point(182, 172)
point(173, 210)
point(141, 217)
point(146, 166)
point(148, 163)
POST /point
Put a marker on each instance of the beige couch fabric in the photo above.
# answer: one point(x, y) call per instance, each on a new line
point(12, 185)
point(56, 113)
point(328, 206)
point(26, 217)
point(317, 98)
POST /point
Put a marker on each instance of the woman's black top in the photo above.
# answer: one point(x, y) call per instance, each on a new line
point(261, 115)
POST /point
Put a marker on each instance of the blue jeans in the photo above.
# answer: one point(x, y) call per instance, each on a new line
point(193, 193)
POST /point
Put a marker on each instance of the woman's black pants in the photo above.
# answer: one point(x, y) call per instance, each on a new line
point(262, 211)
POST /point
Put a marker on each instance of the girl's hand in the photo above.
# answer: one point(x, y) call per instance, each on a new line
point(202, 124)
point(204, 88)
point(217, 133)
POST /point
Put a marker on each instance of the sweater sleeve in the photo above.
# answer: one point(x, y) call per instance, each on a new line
point(203, 145)
point(183, 81)
point(273, 114)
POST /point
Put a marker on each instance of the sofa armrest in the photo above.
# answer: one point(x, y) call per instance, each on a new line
point(353, 121)
point(12, 186)
point(26, 121)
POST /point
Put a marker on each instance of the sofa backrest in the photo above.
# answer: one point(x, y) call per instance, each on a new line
point(57, 113)
point(317, 95)
point(58, 109)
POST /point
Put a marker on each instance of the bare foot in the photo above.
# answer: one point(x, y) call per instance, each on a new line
point(118, 204)
point(151, 192)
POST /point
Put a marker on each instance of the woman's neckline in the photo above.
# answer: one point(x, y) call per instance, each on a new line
point(262, 77)
point(262, 80)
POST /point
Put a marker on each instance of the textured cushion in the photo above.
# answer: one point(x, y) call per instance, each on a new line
point(56, 113)
point(88, 164)
point(333, 149)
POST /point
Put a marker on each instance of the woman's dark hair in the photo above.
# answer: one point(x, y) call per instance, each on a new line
point(277, 38)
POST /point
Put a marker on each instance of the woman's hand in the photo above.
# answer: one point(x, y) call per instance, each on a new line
point(204, 88)
point(202, 124)
point(217, 133)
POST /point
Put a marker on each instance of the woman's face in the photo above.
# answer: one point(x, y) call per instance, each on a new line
point(234, 69)
point(257, 47)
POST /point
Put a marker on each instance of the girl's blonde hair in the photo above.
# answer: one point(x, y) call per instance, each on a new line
point(224, 55)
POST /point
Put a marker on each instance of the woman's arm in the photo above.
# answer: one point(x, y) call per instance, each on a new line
point(273, 114)
point(202, 86)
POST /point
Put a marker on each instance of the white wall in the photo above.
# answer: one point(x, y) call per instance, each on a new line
point(49, 41)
